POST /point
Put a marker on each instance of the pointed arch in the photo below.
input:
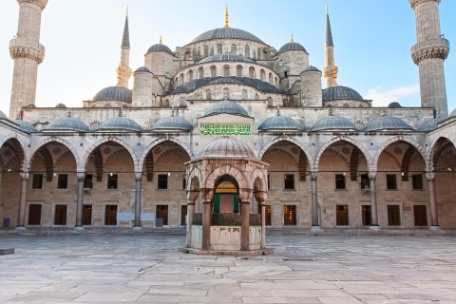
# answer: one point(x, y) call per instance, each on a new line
point(289, 139)
point(320, 152)
point(64, 143)
point(228, 170)
point(14, 144)
point(108, 139)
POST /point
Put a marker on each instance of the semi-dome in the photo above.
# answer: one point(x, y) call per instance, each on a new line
point(311, 68)
point(116, 93)
point(387, 122)
point(118, 124)
point(172, 123)
point(159, 47)
point(25, 126)
point(142, 69)
point(66, 124)
point(226, 33)
point(333, 122)
point(292, 46)
point(226, 57)
point(282, 123)
point(226, 107)
point(341, 93)
point(2, 115)
point(430, 125)
point(227, 147)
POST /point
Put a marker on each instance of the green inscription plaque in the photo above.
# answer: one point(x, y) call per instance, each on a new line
point(216, 129)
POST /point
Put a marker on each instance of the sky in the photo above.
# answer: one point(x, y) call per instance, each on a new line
point(82, 38)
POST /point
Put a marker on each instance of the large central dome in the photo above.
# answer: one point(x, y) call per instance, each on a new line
point(226, 33)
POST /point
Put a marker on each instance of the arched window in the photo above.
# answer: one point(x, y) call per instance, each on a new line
point(213, 71)
point(233, 49)
point(247, 51)
point(226, 93)
point(244, 94)
point(239, 71)
point(190, 75)
point(262, 75)
point(206, 50)
point(270, 78)
point(226, 71)
point(252, 73)
point(219, 48)
point(208, 94)
point(200, 73)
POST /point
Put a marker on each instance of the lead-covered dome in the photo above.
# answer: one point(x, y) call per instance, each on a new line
point(227, 147)
point(226, 33)
point(2, 115)
point(282, 123)
point(25, 126)
point(430, 125)
point(333, 122)
point(341, 93)
point(116, 93)
point(226, 107)
point(142, 69)
point(159, 47)
point(226, 57)
point(387, 123)
point(292, 46)
point(172, 124)
point(118, 124)
point(66, 124)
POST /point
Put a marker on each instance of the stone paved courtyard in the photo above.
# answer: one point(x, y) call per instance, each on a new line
point(302, 269)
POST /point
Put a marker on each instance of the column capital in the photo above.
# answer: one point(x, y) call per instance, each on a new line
point(25, 175)
point(41, 3)
point(415, 3)
point(138, 174)
point(81, 174)
point(430, 176)
point(207, 194)
point(313, 175)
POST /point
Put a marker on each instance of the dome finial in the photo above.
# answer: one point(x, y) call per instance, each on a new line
point(292, 39)
point(120, 112)
point(161, 40)
point(226, 17)
point(69, 112)
point(278, 110)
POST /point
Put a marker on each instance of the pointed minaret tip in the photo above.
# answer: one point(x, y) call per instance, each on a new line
point(329, 38)
point(292, 39)
point(226, 17)
point(161, 40)
point(126, 33)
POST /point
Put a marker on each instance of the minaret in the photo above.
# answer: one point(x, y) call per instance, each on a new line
point(429, 53)
point(27, 53)
point(330, 70)
point(227, 20)
point(124, 70)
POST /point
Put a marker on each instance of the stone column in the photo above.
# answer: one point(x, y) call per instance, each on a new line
point(432, 201)
point(261, 198)
point(138, 195)
point(192, 196)
point(80, 200)
point(207, 200)
point(245, 225)
point(313, 187)
point(373, 197)
point(22, 202)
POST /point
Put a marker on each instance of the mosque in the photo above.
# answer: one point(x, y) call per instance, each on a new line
point(228, 133)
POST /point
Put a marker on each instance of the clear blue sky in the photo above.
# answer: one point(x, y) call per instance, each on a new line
point(82, 38)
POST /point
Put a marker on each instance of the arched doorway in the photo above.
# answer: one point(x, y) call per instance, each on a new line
point(226, 198)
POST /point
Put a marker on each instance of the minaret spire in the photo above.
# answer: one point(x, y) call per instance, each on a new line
point(124, 70)
point(227, 21)
point(330, 70)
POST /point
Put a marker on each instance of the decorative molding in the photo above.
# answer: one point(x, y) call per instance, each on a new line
point(41, 3)
point(430, 49)
point(415, 3)
point(27, 48)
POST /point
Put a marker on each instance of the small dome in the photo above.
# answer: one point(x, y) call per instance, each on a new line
point(2, 115)
point(142, 69)
point(226, 107)
point(226, 33)
point(226, 57)
point(114, 93)
point(394, 104)
point(118, 123)
point(60, 105)
point(333, 123)
point(292, 46)
point(430, 125)
point(311, 68)
point(66, 124)
point(25, 126)
point(341, 93)
point(227, 147)
point(386, 123)
point(160, 48)
point(280, 123)
point(172, 123)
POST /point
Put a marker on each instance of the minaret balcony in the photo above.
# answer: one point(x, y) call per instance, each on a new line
point(27, 48)
point(430, 49)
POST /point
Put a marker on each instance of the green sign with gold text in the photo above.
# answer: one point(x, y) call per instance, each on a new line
point(221, 129)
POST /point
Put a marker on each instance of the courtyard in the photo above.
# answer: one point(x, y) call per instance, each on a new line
point(303, 269)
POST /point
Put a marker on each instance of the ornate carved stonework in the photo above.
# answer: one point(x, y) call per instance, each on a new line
point(415, 3)
point(41, 3)
point(27, 48)
point(430, 49)
point(123, 73)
